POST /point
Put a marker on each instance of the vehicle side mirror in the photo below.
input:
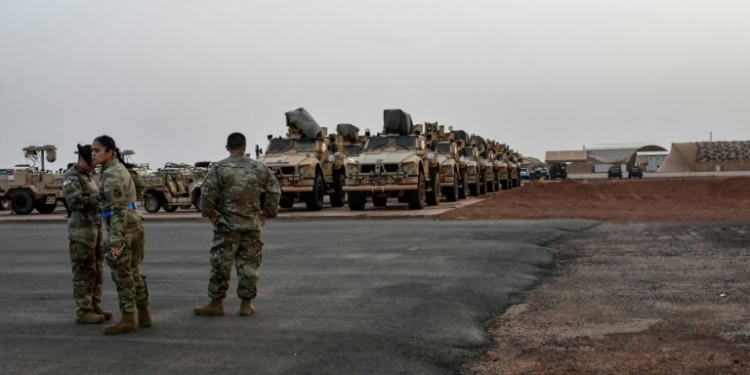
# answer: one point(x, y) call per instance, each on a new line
point(258, 151)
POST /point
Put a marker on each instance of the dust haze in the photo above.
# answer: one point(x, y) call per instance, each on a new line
point(171, 79)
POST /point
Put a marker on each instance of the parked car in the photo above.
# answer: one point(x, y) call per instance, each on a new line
point(614, 172)
point(635, 172)
point(539, 173)
point(524, 173)
point(558, 170)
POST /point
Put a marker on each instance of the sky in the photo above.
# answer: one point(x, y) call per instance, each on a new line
point(171, 79)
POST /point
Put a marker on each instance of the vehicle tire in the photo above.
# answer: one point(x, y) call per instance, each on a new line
point(152, 203)
point(43, 208)
point(21, 202)
point(451, 193)
point(356, 200)
point(473, 189)
point(463, 190)
point(337, 197)
point(314, 200)
point(516, 183)
point(482, 184)
point(286, 202)
point(379, 201)
point(418, 197)
point(433, 197)
point(504, 185)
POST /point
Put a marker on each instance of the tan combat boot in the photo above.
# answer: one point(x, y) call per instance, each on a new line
point(214, 308)
point(144, 317)
point(107, 314)
point(89, 317)
point(125, 325)
point(246, 307)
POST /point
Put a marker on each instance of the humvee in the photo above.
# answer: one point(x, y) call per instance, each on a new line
point(305, 163)
point(174, 186)
point(448, 159)
point(30, 188)
point(499, 165)
point(399, 163)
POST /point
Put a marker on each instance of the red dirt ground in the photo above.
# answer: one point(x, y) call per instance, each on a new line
point(663, 200)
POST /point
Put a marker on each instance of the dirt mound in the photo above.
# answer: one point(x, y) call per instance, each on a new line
point(617, 200)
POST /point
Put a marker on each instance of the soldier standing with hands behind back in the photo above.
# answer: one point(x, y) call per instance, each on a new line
point(230, 198)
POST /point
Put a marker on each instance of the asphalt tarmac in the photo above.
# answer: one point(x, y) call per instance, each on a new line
point(335, 297)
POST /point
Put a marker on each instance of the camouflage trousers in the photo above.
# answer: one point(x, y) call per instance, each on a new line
point(126, 269)
point(87, 257)
point(243, 248)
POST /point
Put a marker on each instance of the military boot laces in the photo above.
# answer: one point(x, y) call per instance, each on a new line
point(107, 314)
point(214, 308)
point(89, 317)
point(125, 325)
point(144, 316)
point(246, 307)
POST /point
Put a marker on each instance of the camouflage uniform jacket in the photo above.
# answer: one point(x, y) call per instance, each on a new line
point(233, 190)
point(117, 191)
point(82, 197)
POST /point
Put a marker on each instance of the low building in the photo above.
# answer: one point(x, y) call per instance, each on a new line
point(600, 157)
point(707, 157)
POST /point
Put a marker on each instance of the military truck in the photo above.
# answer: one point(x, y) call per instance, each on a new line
point(499, 165)
point(174, 186)
point(513, 169)
point(448, 159)
point(30, 188)
point(305, 163)
point(484, 165)
point(399, 163)
point(468, 162)
point(461, 138)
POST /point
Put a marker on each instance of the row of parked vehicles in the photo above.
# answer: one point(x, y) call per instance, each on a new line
point(418, 164)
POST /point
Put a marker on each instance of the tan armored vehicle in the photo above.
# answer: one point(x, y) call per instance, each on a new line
point(514, 159)
point(399, 163)
point(485, 165)
point(448, 159)
point(500, 165)
point(305, 163)
point(468, 165)
point(30, 188)
point(174, 186)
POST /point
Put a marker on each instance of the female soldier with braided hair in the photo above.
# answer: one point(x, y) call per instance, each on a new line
point(86, 238)
point(125, 238)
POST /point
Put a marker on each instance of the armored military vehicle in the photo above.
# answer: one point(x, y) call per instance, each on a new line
point(399, 163)
point(461, 138)
point(305, 163)
point(499, 165)
point(30, 188)
point(174, 186)
point(513, 165)
point(448, 159)
point(486, 175)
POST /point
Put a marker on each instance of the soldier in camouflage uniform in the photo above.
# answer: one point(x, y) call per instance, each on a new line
point(86, 238)
point(231, 199)
point(124, 244)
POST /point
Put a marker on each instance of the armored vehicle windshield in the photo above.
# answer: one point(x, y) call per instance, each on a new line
point(283, 144)
point(469, 151)
point(444, 148)
point(404, 141)
point(353, 150)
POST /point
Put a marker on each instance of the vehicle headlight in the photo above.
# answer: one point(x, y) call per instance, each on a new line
point(352, 169)
point(407, 167)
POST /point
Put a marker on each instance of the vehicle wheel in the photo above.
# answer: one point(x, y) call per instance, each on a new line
point(43, 208)
point(474, 189)
point(314, 200)
point(433, 197)
point(463, 190)
point(286, 202)
point(516, 183)
point(337, 197)
point(21, 202)
point(504, 185)
point(418, 197)
point(152, 203)
point(356, 200)
point(451, 193)
point(379, 201)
